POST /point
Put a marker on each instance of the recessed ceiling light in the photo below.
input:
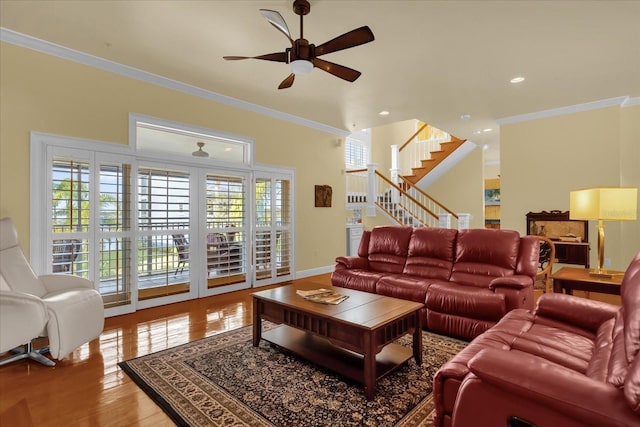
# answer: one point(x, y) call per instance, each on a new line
point(477, 132)
point(487, 130)
point(465, 116)
point(384, 113)
point(518, 79)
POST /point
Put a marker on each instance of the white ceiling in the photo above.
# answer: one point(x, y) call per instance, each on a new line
point(431, 60)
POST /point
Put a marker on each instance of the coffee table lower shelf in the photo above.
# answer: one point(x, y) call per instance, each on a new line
point(323, 353)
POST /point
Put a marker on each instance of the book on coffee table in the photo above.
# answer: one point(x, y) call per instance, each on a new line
point(313, 292)
point(324, 296)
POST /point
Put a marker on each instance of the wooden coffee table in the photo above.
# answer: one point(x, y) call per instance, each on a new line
point(353, 338)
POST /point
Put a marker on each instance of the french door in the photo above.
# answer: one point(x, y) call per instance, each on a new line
point(150, 233)
point(273, 229)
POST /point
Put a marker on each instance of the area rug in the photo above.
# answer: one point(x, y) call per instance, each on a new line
point(223, 380)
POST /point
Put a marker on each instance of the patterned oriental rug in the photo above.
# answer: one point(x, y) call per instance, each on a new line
point(223, 380)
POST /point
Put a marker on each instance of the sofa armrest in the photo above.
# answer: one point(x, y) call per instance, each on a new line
point(352, 262)
point(60, 282)
point(584, 313)
point(518, 281)
point(560, 389)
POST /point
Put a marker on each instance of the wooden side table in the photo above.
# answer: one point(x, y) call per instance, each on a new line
point(568, 279)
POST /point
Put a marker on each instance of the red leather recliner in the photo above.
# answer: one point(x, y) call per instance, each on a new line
point(571, 362)
point(467, 279)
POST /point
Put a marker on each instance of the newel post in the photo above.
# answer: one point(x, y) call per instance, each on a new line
point(372, 189)
point(394, 172)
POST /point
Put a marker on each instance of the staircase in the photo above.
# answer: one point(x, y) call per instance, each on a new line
point(396, 211)
point(436, 157)
point(398, 196)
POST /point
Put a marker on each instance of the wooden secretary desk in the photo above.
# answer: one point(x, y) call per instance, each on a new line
point(570, 236)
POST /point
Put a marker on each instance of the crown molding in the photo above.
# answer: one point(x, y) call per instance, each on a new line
point(48, 48)
point(621, 101)
point(631, 102)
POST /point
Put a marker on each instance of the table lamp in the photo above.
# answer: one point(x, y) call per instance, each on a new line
point(603, 204)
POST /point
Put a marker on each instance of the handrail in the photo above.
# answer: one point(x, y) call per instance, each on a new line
point(413, 136)
point(356, 170)
point(419, 190)
point(409, 196)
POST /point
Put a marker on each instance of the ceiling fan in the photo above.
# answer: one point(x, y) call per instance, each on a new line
point(302, 56)
point(200, 152)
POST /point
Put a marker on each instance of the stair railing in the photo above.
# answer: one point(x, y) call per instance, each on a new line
point(404, 203)
point(401, 206)
point(430, 203)
point(357, 186)
point(418, 148)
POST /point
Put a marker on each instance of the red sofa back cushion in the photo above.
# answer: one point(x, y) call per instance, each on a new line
point(388, 247)
point(431, 252)
point(485, 252)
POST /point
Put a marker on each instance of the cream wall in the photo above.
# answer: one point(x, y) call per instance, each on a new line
point(543, 160)
point(461, 189)
point(491, 171)
point(47, 94)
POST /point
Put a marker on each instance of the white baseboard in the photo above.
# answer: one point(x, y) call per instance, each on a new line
point(314, 271)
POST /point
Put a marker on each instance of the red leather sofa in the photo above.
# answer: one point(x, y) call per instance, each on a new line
point(570, 362)
point(467, 279)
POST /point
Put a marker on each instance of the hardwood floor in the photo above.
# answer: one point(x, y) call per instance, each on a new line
point(87, 388)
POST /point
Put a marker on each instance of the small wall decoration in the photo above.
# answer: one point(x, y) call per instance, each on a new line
point(492, 197)
point(323, 196)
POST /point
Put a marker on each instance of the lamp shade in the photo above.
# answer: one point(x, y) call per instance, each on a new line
point(604, 203)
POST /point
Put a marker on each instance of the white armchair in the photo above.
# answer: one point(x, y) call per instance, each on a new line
point(74, 309)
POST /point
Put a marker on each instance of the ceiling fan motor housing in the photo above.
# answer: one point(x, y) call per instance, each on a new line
point(301, 50)
point(301, 7)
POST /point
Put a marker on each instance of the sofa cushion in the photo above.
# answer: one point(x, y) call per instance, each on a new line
point(483, 254)
point(466, 301)
point(405, 287)
point(632, 386)
point(431, 252)
point(602, 350)
point(361, 280)
point(388, 247)
point(363, 247)
point(618, 365)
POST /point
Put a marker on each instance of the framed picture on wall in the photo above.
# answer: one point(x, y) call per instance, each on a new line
point(492, 197)
point(323, 195)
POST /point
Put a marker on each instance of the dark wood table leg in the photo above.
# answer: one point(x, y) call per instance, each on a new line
point(369, 367)
point(417, 340)
point(257, 322)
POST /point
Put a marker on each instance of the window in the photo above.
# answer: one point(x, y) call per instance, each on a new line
point(163, 223)
point(273, 241)
point(357, 149)
point(226, 230)
point(70, 216)
point(150, 229)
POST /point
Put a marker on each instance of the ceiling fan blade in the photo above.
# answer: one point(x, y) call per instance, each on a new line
point(353, 38)
point(277, 21)
point(277, 57)
point(337, 70)
point(286, 83)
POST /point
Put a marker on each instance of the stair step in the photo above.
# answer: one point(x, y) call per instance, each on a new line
point(437, 156)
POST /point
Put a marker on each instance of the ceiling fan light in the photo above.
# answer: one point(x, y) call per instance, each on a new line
point(200, 152)
point(301, 66)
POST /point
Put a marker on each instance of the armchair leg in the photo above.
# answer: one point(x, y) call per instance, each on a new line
point(27, 351)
